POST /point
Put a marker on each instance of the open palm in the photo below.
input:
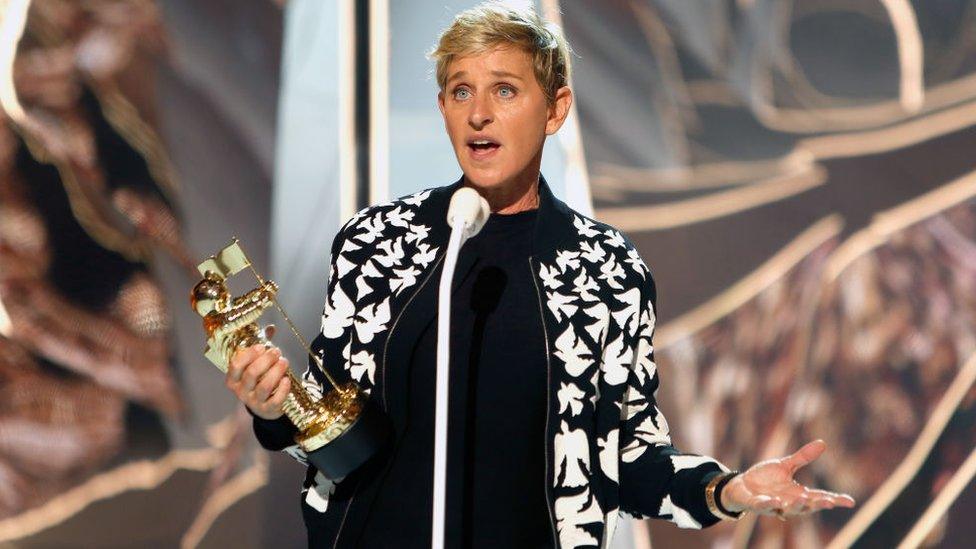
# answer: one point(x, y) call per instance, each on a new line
point(768, 487)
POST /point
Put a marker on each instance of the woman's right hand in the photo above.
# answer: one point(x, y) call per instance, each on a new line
point(257, 375)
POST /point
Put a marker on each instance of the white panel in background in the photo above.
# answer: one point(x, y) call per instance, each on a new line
point(312, 158)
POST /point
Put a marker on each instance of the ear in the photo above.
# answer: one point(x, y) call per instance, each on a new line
point(440, 102)
point(559, 110)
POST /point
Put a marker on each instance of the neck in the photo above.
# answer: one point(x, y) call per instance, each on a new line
point(510, 198)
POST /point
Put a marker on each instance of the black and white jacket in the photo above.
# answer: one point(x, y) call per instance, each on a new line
point(607, 445)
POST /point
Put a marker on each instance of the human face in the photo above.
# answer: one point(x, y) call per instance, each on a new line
point(494, 96)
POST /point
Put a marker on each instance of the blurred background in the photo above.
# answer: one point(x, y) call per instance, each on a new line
point(800, 176)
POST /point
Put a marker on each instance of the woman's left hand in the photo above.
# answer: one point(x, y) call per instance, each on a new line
point(768, 488)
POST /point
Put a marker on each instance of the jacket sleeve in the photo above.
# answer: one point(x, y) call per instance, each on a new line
point(657, 480)
point(279, 434)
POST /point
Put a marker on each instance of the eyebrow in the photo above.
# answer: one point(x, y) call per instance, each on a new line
point(506, 74)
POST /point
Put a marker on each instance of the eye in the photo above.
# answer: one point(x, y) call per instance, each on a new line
point(506, 91)
point(461, 93)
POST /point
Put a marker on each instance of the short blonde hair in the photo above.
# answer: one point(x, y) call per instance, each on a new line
point(492, 24)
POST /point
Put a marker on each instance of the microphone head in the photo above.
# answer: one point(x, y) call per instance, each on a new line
point(469, 207)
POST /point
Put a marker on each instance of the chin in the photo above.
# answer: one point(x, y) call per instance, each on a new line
point(485, 179)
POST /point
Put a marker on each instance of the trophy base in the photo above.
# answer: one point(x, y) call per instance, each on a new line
point(362, 440)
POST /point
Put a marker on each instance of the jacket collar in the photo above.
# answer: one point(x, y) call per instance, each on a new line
point(553, 224)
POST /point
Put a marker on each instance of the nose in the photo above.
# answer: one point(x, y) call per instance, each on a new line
point(480, 114)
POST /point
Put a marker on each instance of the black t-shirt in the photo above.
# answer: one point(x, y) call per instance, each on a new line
point(498, 398)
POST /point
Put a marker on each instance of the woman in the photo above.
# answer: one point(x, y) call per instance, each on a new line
point(554, 426)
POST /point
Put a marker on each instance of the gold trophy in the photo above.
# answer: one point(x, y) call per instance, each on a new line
point(339, 431)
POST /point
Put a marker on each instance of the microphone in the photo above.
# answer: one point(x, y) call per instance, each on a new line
point(469, 208)
point(466, 214)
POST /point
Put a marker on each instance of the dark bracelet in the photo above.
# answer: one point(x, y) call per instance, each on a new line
point(718, 495)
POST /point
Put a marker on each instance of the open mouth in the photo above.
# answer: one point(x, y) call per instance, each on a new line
point(482, 148)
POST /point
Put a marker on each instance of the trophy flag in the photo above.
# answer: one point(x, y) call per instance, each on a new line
point(227, 262)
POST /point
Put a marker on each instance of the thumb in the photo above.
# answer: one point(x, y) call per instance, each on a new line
point(809, 452)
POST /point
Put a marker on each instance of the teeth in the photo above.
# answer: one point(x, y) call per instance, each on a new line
point(482, 142)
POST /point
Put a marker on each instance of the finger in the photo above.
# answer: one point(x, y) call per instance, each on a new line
point(795, 506)
point(810, 507)
point(809, 452)
point(260, 368)
point(273, 370)
point(231, 378)
point(818, 499)
point(257, 368)
point(243, 355)
point(820, 505)
point(280, 393)
point(239, 360)
point(843, 500)
point(267, 383)
point(273, 407)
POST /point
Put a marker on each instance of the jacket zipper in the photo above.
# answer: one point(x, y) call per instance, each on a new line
point(396, 321)
point(545, 337)
point(386, 345)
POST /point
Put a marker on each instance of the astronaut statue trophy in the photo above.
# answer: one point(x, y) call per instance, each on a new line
point(339, 431)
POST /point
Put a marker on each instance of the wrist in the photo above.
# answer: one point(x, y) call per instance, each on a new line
point(714, 500)
point(724, 497)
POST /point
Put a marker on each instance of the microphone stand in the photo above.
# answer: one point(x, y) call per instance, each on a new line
point(466, 215)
